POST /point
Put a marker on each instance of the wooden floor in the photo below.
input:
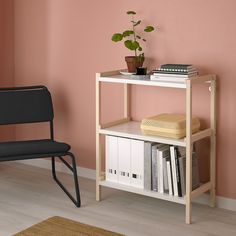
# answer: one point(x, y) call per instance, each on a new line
point(28, 195)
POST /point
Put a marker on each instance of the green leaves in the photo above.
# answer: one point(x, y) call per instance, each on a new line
point(149, 28)
point(131, 45)
point(128, 33)
point(137, 23)
point(133, 40)
point(131, 12)
point(117, 37)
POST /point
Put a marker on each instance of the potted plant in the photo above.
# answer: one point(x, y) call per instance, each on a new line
point(132, 41)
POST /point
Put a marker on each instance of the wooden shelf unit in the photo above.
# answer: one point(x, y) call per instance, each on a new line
point(127, 128)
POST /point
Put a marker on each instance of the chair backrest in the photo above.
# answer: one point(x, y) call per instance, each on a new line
point(25, 105)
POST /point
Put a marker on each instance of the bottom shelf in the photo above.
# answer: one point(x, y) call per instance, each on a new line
point(144, 192)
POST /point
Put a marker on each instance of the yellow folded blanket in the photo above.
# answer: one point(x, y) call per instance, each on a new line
point(168, 125)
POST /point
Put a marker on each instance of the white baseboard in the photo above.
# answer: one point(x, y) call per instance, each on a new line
point(221, 202)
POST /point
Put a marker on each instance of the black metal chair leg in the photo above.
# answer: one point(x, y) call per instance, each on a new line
point(53, 168)
point(76, 180)
point(76, 201)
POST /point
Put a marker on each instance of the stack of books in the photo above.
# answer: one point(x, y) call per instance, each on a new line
point(174, 73)
point(166, 172)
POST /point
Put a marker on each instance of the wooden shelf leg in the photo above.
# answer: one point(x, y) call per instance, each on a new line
point(98, 167)
point(98, 192)
point(213, 143)
point(188, 152)
point(126, 100)
point(98, 143)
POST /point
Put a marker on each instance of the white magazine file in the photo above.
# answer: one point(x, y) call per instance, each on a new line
point(137, 163)
point(124, 152)
point(111, 158)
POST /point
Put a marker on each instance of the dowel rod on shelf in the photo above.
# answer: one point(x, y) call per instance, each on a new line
point(116, 122)
point(202, 189)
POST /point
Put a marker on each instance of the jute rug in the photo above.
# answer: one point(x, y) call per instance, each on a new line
point(59, 226)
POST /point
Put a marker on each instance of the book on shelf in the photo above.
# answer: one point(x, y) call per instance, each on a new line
point(181, 66)
point(169, 176)
point(176, 67)
point(174, 73)
point(148, 165)
point(173, 170)
point(159, 72)
point(155, 168)
point(177, 79)
point(172, 76)
point(165, 174)
point(182, 170)
point(177, 155)
point(162, 154)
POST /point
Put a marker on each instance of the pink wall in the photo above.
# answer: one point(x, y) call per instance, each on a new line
point(6, 54)
point(63, 43)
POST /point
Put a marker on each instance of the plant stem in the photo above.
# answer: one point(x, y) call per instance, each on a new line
point(135, 51)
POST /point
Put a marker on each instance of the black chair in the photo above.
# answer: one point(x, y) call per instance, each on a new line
point(32, 105)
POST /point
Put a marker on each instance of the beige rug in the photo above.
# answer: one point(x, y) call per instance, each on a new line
point(59, 226)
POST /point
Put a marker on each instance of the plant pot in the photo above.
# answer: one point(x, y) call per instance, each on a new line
point(134, 62)
point(141, 70)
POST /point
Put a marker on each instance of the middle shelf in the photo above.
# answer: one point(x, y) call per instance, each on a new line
point(132, 130)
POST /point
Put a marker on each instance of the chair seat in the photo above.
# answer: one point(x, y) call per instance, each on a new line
point(43, 146)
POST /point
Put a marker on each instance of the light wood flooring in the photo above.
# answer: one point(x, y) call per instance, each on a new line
point(28, 195)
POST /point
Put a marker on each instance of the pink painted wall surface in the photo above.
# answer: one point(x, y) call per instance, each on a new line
point(6, 54)
point(63, 43)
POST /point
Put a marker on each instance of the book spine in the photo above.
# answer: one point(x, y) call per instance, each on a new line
point(159, 72)
point(182, 174)
point(147, 165)
point(169, 176)
point(154, 168)
point(173, 169)
point(176, 66)
point(165, 176)
point(163, 154)
point(160, 171)
point(168, 79)
point(176, 69)
point(178, 172)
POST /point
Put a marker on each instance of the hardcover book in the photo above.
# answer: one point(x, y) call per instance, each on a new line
point(147, 165)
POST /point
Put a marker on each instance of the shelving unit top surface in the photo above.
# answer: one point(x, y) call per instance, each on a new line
point(126, 79)
point(116, 77)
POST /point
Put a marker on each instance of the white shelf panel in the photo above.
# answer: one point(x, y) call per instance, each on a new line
point(132, 130)
point(144, 192)
point(126, 79)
